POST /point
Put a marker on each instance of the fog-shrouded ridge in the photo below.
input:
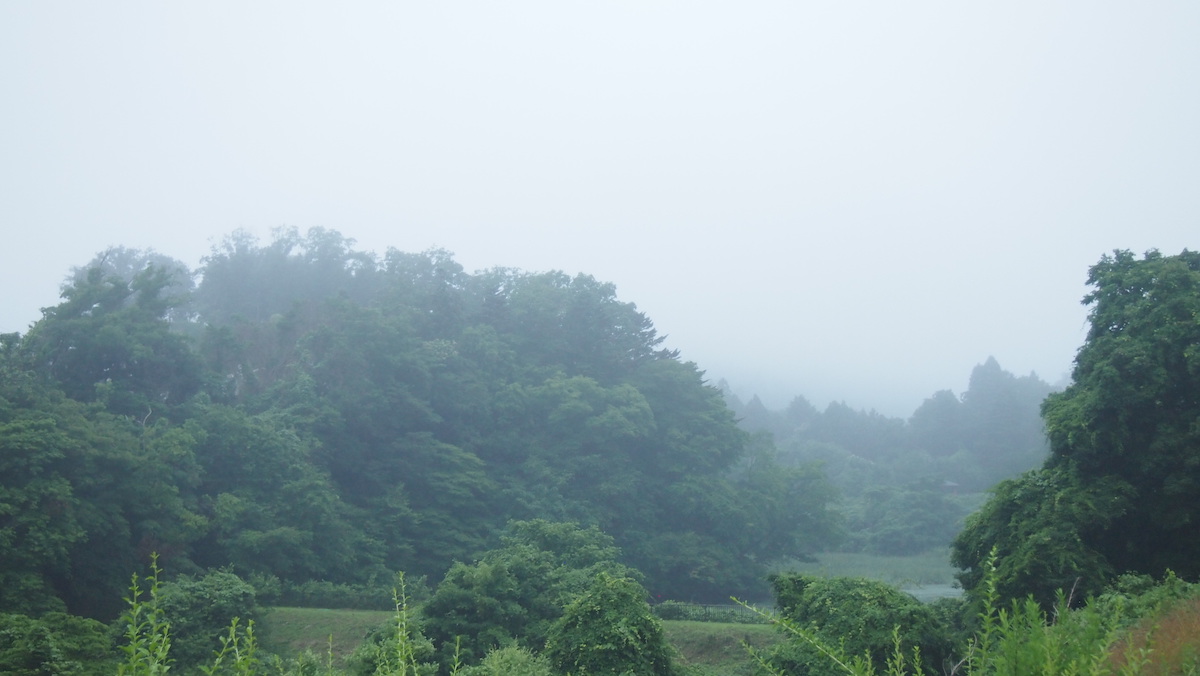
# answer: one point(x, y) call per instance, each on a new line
point(854, 202)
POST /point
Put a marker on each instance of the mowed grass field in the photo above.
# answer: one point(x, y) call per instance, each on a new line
point(714, 646)
point(719, 648)
point(289, 632)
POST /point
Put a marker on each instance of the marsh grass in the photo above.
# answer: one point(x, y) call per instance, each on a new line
point(929, 568)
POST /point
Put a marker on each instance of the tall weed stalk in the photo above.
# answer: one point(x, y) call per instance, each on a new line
point(147, 631)
point(238, 652)
point(402, 661)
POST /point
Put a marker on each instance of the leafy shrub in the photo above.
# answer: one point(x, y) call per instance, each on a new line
point(267, 588)
point(673, 610)
point(1020, 639)
point(514, 593)
point(1137, 596)
point(859, 615)
point(55, 644)
point(146, 632)
point(610, 630)
point(1024, 639)
point(200, 611)
point(511, 661)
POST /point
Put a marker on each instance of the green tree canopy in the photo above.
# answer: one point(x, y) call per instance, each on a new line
point(1121, 489)
point(109, 340)
point(311, 411)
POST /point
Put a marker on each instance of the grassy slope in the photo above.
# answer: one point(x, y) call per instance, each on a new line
point(718, 647)
point(288, 632)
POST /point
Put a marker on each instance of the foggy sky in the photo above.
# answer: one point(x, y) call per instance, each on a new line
point(850, 201)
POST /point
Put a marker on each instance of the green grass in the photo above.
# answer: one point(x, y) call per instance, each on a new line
point(716, 647)
point(930, 568)
point(289, 632)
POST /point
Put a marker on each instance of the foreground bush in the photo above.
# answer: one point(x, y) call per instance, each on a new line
point(862, 617)
point(511, 661)
point(514, 593)
point(200, 611)
point(1021, 639)
point(55, 644)
point(610, 630)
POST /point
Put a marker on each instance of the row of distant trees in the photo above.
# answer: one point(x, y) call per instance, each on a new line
point(905, 486)
point(992, 431)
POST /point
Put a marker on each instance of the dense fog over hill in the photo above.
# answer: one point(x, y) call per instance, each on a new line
point(853, 203)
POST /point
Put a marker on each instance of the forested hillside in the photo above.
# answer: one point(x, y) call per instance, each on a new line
point(302, 410)
point(301, 420)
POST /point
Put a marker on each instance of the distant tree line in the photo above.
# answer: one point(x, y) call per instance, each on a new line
point(906, 486)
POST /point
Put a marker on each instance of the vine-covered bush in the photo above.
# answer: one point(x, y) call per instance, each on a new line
point(860, 615)
point(200, 611)
point(610, 630)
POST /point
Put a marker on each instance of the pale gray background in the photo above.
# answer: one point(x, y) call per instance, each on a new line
point(853, 201)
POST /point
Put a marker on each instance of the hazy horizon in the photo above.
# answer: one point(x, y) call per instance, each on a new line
point(851, 203)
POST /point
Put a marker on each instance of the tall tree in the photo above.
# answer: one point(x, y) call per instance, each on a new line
point(241, 280)
point(109, 340)
point(1121, 489)
point(1000, 421)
